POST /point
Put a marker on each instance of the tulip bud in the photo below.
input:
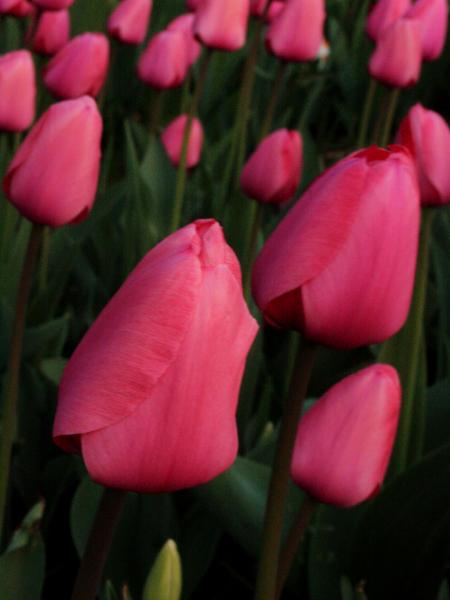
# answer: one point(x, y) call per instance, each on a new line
point(52, 32)
point(383, 14)
point(165, 578)
point(15, 8)
point(172, 139)
point(149, 396)
point(427, 136)
point(79, 68)
point(275, 8)
point(185, 24)
point(129, 21)
point(164, 63)
point(272, 173)
point(297, 32)
point(53, 4)
point(52, 179)
point(397, 57)
point(432, 16)
point(222, 25)
point(344, 442)
point(340, 266)
point(17, 91)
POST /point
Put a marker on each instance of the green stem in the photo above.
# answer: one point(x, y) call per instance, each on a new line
point(255, 225)
point(155, 113)
point(98, 545)
point(270, 111)
point(392, 101)
point(181, 173)
point(45, 255)
point(273, 522)
point(12, 385)
point(185, 93)
point(365, 118)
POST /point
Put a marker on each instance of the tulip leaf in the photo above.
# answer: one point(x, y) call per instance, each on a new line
point(53, 368)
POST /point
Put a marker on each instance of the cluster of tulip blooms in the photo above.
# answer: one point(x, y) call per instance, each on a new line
point(149, 396)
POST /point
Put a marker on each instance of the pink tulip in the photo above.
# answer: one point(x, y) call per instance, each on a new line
point(383, 14)
point(79, 68)
point(15, 8)
point(192, 4)
point(340, 266)
point(185, 24)
point(257, 7)
point(52, 32)
point(275, 8)
point(344, 442)
point(17, 91)
point(53, 4)
point(129, 21)
point(52, 179)
point(426, 134)
point(149, 396)
point(432, 16)
point(172, 139)
point(222, 25)
point(397, 58)
point(272, 173)
point(297, 32)
point(165, 62)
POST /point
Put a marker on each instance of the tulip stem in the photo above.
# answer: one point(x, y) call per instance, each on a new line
point(255, 225)
point(45, 255)
point(98, 545)
point(11, 396)
point(391, 105)
point(155, 113)
point(177, 212)
point(270, 111)
point(368, 104)
point(266, 584)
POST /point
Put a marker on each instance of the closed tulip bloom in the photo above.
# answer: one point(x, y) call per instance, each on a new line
point(340, 266)
point(297, 32)
point(275, 8)
point(185, 24)
point(15, 8)
point(52, 32)
point(164, 63)
point(397, 58)
point(383, 14)
point(79, 68)
point(53, 4)
point(222, 25)
point(129, 21)
point(257, 7)
point(426, 134)
point(52, 179)
point(432, 16)
point(172, 139)
point(272, 173)
point(149, 396)
point(344, 442)
point(17, 91)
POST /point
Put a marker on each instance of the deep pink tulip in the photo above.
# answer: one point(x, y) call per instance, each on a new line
point(52, 32)
point(52, 179)
point(397, 58)
point(165, 62)
point(383, 14)
point(432, 15)
point(222, 25)
point(257, 7)
point(192, 4)
point(274, 10)
point(297, 32)
point(149, 396)
point(340, 266)
point(129, 21)
point(185, 24)
point(172, 139)
point(15, 8)
point(272, 173)
point(426, 134)
point(53, 4)
point(79, 68)
point(344, 442)
point(17, 91)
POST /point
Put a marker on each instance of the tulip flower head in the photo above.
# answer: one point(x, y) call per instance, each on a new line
point(432, 16)
point(129, 21)
point(172, 140)
point(383, 14)
point(52, 32)
point(15, 8)
point(52, 179)
point(17, 91)
point(340, 266)
point(164, 63)
point(344, 442)
point(149, 396)
point(185, 24)
point(275, 8)
point(222, 25)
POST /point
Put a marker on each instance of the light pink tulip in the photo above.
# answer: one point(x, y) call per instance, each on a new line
point(52, 179)
point(172, 139)
point(344, 442)
point(165, 62)
point(52, 32)
point(185, 24)
point(129, 21)
point(149, 396)
point(340, 266)
point(383, 14)
point(432, 16)
point(222, 25)
point(426, 134)
point(17, 91)
point(53, 4)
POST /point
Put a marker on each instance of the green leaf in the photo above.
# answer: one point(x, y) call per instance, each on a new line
point(53, 368)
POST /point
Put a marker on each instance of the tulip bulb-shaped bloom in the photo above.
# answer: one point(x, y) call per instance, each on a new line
point(275, 8)
point(129, 21)
point(397, 58)
point(185, 24)
point(426, 134)
point(383, 14)
point(165, 62)
point(257, 7)
point(432, 16)
point(344, 442)
point(340, 266)
point(52, 32)
point(172, 139)
point(53, 4)
point(222, 25)
point(52, 179)
point(79, 68)
point(17, 91)
point(15, 8)
point(297, 32)
point(272, 173)
point(149, 396)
